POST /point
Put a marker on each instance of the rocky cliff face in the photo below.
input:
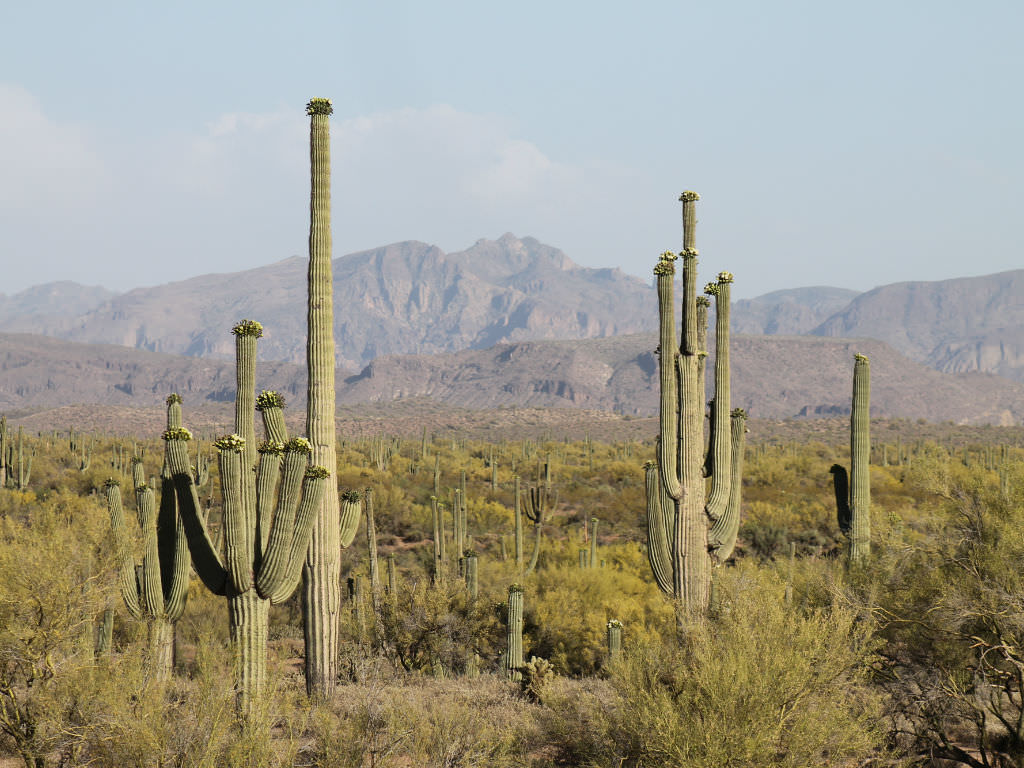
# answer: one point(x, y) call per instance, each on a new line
point(404, 298)
point(966, 324)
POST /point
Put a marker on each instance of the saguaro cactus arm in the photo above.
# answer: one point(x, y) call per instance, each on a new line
point(722, 537)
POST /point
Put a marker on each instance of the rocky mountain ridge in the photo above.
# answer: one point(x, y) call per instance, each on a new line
point(773, 377)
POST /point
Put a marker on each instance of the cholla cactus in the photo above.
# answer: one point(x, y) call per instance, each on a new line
point(537, 676)
point(268, 516)
point(689, 530)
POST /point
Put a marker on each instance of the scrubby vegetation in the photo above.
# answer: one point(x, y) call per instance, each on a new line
point(912, 657)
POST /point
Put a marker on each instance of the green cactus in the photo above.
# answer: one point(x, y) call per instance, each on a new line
point(438, 534)
point(517, 516)
point(4, 442)
point(104, 638)
point(471, 573)
point(614, 628)
point(853, 493)
point(593, 542)
point(371, 547)
point(392, 575)
point(322, 574)
point(514, 633)
point(268, 517)
point(351, 512)
point(156, 590)
point(540, 500)
point(690, 530)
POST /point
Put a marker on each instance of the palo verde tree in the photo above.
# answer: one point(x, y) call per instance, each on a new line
point(270, 496)
point(689, 530)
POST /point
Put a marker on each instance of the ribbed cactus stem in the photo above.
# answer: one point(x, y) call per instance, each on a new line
point(371, 545)
point(438, 534)
point(860, 452)
point(471, 566)
point(351, 512)
point(517, 516)
point(720, 444)
point(392, 575)
point(614, 639)
point(514, 634)
point(722, 537)
point(593, 542)
point(322, 589)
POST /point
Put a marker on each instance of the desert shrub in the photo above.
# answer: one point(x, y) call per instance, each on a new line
point(442, 723)
point(762, 685)
point(567, 610)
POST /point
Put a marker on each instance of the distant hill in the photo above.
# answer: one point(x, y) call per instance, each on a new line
point(773, 377)
point(53, 304)
point(789, 312)
point(413, 298)
point(404, 298)
point(965, 324)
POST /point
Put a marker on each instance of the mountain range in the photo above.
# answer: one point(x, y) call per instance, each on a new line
point(501, 323)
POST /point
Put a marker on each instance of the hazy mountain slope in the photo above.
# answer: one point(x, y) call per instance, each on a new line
point(54, 304)
point(404, 298)
point(789, 312)
point(956, 325)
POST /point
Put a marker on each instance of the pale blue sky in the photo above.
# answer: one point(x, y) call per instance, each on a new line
point(848, 144)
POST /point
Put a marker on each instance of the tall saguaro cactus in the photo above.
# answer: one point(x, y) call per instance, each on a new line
point(681, 516)
point(156, 590)
point(853, 493)
point(268, 517)
point(321, 583)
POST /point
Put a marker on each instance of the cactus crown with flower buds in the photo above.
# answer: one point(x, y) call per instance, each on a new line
point(248, 328)
point(703, 301)
point(172, 398)
point(352, 496)
point(178, 433)
point(274, 447)
point(298, 445)
point(689, 196)
point(689, 253)
point(317, 472)
point(111, 482)
point(269, 399)
point(860, 357)
point(725, 277)
point(319, 107)
point(614, 623)
point(230, 443)
point(711, 289)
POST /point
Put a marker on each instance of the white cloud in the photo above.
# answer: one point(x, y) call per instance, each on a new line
point(234, 194)
point(43, 161)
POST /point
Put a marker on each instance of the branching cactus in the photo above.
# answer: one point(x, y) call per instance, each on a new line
point(156, 590)
point(853, 492)
point(514, 633)
point(690, 530)
point(268, 517)
point(540, 500)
